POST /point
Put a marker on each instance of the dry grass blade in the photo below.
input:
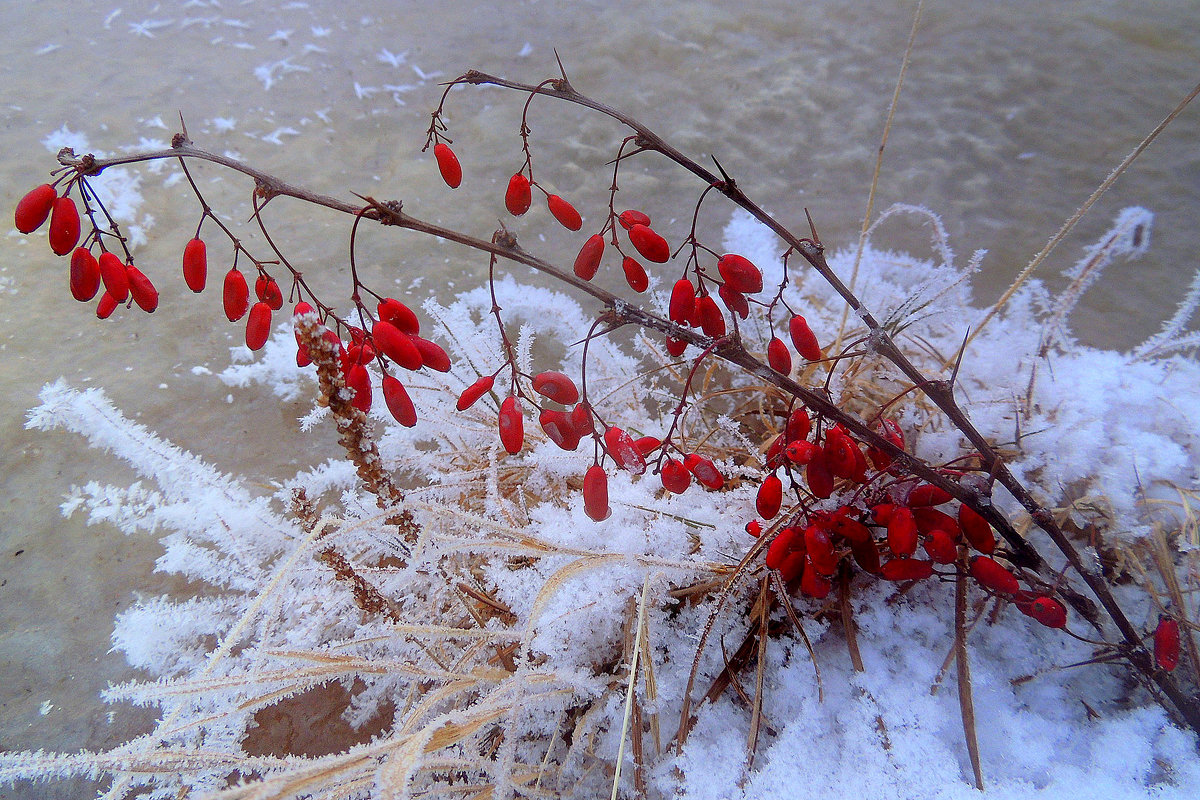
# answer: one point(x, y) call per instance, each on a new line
point(630, 692)
point(791, 615)
point(764, 619)
point(848, 625)
point(966, 703)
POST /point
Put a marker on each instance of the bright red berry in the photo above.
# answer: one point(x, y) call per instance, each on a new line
point(64, 226)
point(740, 273)
point(511, 425)
point(675, 476)
point(770, 496)
point(85, 275)
point(734, 300)
point(519, 196)
point(473, 392)
point(819, 478)
point(976, 529)
point(803, 339)
point(1166, 643)
point(398, 402)
point(143, 291)
point(357, 378)
point(588, 260)
point(683, 302)
point(778, 356)
point(595, 493)
point(195, 265)
point(995, 577)
point(396, 345)
point(258, 326)
point(448, 164)
point(1049, 612)
point(712, 321)
point(928, 495)
point(704, 471)
point(556, 386)
point(635, 274)
point(106, 306)
point(812, 582)
point(623, 450)
point(116, 280)
point(564, 212)
point(902, 532)
point(647, 242)
point(558, 427)
point(940, 547)
point(906, 569)
point(632, 217)
point(820, 549)
point(34, 208)
point(432, 354)
point(235, 294)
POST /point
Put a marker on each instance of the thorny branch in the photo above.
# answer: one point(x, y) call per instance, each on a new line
point(976, 493)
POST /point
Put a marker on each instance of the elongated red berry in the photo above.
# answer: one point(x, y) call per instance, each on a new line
point(839, 453)
point(581, 420)
point(906, 569)
point(258, 326)
point(675, 476)
point(977, 530)
point(588, 260)
point(779, 357)
point(813, 583)
point(783, 545)
point(647, 242)
point(142, 290)
point(866, 555)
point(432, 354)
point(647, 444)
point(820, 549)
point(847, 527)
point(928, 495)
point(1049, 612)
point(195, 265)
point(106, 306)
point(269, 292)
point(473, 392)
point(399, 405)
point(683, 302)
point(740, 273)
point(235, 294)
point(995, 577)
point(559, 428)
point(802, 452)
point(930, 519)
point(34, 208)
point(519, 196)
point(448, 164)
point(940, 546)
point(803, 339)
point(633, 217)
point(734, 300)
point(819, 478)
point(511, 425)
point(712, 321)
point(64, 226)
point(623, 450)
point(564, 212)
point(357, 378)
point(595, 493)
point(85, 275)
point(799, 424)
point(1166, 643)
point(112, 272)
point(902, 532)
point(770, 496)
point(635, 274)
point(676, 347)
point(704, 471)
point(556, 386)
point(396, 345)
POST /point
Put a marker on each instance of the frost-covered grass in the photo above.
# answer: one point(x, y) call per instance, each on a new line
point(493, 650)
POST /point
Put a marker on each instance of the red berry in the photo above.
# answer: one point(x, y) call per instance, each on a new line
point(588, 260)
point(258, 326)
point(819, 478)
point(813, 583)
point(712, 322)
point(448, 164)
point(647, 444)
point(977, 530)
point(269, 293)
point(623, 450)
point(64, 226)
point(519, 196)
point(564, 212)
point(195, 265)
point(798, 425)
point(1166, 643)
point(558, 427)
point(143, 291)
point(820, 549)
point(739, 273)
point(581, 420)
point(683, 302)
point(801, 452)
point(782, 546)
point(906, 569)
point(393, 311)
point(635, 274)
point(866, 555)
point(631, 217)
point(432, 354)
point(473, 392)
point(734, 300)
point(357, 378)
point(595, 493)
point(995, 577)
point(928, 495)
point(675, 347)
point(511, 425)
point(106, 306)
point(398, 402)
point(770, 496)
point(849, 529)
point(1049, 612)
point(839, 454)
point(235, 294)
point(34, 208)
point(652, 246)
point(940, 546)
point(930, 519)
point(85, 275)
point(704, 471)
point(779, 357)
point(675, 476)
point(803, 339)
point(396, 345)
point(112, 272)
point(902, 532)
point(754, 528)
point(556, 386)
